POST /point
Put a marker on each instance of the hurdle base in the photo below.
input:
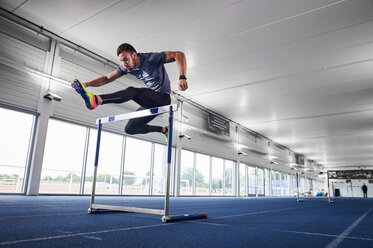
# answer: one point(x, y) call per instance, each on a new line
point(314, 199)
point(183, 217)
point(126, 209)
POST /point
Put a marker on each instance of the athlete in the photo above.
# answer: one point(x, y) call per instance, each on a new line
point(149, 68)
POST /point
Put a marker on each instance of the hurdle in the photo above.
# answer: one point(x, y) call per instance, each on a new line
point(311, 198)
point(165, 211)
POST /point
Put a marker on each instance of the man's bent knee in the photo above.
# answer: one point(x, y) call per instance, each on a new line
point(130, 129)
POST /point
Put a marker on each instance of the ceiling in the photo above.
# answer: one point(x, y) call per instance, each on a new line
point(297, 71)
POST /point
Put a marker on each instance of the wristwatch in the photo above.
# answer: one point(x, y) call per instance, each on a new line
point(182, 77)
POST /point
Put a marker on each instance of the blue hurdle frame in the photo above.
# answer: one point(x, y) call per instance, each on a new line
point(165, 211)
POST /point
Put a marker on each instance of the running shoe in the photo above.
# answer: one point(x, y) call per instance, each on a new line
point(89, 98)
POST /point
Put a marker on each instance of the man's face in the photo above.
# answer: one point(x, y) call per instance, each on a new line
point(128, 60)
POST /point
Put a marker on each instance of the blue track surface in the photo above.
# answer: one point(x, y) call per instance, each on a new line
point(63, 221)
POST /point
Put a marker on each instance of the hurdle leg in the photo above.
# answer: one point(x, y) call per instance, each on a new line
point(329, 200)
point(298, 200)
point(166, 217)
point(91, 209)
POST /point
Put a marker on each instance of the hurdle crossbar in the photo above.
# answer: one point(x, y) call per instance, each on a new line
point(137, 114)
point(165, 211)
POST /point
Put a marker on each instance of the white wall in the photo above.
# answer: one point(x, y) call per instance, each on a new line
point(345, 188)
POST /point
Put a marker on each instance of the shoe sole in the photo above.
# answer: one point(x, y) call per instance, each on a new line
point(79, 87)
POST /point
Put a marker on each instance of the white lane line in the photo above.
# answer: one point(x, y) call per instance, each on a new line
point(42, 215)
point(348, 230)
point(207, 223)
point(85, 234)
point(92, 237)
point(240, 215)
point(254, 213)
point(325, 235)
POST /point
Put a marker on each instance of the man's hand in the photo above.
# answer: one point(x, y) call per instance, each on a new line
point(183, 84)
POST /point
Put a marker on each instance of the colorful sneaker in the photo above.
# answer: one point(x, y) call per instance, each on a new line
point(89, 98)
point(166, 133)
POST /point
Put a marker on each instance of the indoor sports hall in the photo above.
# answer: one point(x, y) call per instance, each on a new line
point(169, 123)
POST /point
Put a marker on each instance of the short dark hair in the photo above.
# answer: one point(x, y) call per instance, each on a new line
point(125, 47)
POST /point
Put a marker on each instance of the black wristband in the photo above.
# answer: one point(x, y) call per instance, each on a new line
point(182, 77)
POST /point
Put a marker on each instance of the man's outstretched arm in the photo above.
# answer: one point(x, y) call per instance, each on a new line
point(102, 80)
point(179, 57)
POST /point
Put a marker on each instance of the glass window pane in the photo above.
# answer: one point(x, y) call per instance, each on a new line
point(260, 178)
point(252, 180)
point(160, 169)
point(202, 174)
point(15, 132)
point(109, 163)
point(228, 177)
point(274, 183)
point(243, 180)
point(187, 173)
point(217, 176)
point(278, 183)
point(267, 182)
point(63, 158)
point(137, 167)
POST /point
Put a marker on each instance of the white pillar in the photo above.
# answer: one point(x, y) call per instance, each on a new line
point(45, 110)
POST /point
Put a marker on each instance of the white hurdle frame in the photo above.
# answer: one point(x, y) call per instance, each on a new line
point(165, 211)
point(299, 199)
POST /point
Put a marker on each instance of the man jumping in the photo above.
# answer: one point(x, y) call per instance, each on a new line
point(149, 68)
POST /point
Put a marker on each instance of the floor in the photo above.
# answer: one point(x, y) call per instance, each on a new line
point(63, 221)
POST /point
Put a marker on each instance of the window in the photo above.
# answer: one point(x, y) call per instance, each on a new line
point(274, 182)
point(136, 176)
point(228, 177)
point(160, 169)
point(294, 185)
point(252, 180)
point(63, 158)
point(15, 133)
point(267, 182)
point(278, 183)
point(109, 163)
point(260, 178)
point(243, 184)
point(202, 174)
point(187, 173)
point(217, 176)
point(285, 184)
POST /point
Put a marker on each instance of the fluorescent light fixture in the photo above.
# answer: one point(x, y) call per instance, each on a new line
point(52, 96)
point(242, 153)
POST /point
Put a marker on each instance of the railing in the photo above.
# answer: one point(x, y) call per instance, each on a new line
point(11, 178)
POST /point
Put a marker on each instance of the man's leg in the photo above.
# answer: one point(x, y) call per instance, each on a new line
point(147, 98)
point(140, 125)
point(120, 96)
point(92, 100)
